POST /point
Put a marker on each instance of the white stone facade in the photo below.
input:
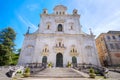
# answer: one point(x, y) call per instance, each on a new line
point(59, 38)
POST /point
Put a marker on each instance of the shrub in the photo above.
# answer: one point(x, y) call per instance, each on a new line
point(26, 72)
point(50, 64)
point(68, 64)
point(19, 72)
point(92, 73)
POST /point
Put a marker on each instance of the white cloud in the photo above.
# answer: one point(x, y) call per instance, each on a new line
point(99, 15)
point(27, 23)
point(110, 23)
point(33, 7)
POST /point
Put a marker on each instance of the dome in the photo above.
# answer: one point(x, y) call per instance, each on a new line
point(60, 7)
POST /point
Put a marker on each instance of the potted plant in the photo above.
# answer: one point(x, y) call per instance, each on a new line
point(68, 64)
point(92, 73)
point(26, 72)
point(50, 64)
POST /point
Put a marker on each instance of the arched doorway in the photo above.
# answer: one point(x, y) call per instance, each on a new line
point(59, 60)
point(44, 60)
point(74, 61)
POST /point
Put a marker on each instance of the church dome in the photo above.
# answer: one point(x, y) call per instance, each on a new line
point(60, 9)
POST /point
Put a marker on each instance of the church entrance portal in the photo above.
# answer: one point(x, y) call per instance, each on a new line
point(74, 61)
point(59, 60)
point(44, 60)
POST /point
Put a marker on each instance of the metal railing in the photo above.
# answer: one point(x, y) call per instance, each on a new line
point(85, 68)
point(36, 67)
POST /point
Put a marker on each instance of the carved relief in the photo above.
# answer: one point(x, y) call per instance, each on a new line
point(45, 51)
point(59, 47)
point(29, 46)
point(59, 20)
point(73, 51)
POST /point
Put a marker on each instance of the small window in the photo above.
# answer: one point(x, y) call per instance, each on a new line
point(44, 12)
point(48, 27)
point(59, 44)
point(119, 37)
point(113, 37)
point(71, 27)
point(117, 46)
point(108, 37)
point(60, 13)
point(63, 12)
point(112, 46)
point(56, 12)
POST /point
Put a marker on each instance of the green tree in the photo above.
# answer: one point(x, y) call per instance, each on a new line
point(7, 38)
point(15, 57)
point(4, 55)
point(18, 51)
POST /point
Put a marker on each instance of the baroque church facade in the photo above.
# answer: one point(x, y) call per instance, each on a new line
point(59, 40)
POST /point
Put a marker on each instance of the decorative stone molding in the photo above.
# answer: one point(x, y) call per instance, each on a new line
point(74, 54)
point(88, 46)
point(30, 46)
point(59, 49)
point(73, 51)
point(59, 20)
point(45, 51)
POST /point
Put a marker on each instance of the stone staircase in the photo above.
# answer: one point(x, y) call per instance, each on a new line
point(59, 73)
point(3, 73)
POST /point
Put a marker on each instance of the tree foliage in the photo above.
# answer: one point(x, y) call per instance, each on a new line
point(7, 37)
point(4, 55)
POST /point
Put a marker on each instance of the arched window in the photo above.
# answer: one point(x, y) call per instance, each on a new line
point(60, 28)
point(60, 13)
point(44, 12)
point(56, 12)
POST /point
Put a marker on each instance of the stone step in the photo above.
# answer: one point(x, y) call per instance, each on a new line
point(59, 73)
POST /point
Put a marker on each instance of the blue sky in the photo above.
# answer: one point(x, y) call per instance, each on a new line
point(99, 15)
